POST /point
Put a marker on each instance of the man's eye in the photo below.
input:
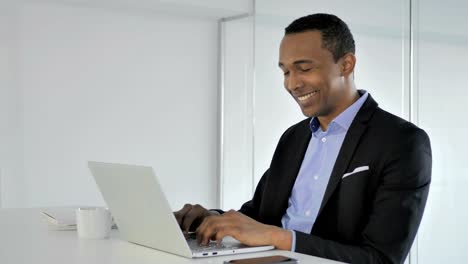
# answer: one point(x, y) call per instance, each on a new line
point(305, 70)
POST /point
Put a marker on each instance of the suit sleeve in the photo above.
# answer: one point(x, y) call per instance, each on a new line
point(396, 212)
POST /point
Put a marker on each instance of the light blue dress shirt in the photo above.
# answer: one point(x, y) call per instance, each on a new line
point(312, 180)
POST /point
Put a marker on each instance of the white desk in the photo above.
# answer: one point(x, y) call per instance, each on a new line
point(26, 239)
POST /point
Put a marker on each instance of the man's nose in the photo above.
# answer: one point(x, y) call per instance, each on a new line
point(294, 82)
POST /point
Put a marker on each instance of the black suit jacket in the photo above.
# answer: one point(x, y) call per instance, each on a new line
point(370, 216)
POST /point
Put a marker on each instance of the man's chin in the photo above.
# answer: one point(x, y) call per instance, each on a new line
point(309, 112)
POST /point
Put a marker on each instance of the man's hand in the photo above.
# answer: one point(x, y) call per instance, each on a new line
point(244, 229)
point(190, 216)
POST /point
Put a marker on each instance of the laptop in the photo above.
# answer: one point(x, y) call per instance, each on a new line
point(144, 217)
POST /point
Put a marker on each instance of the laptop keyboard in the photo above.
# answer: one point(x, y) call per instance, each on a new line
point(212, 246)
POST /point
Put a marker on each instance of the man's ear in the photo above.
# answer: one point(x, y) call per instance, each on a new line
point(348, 62)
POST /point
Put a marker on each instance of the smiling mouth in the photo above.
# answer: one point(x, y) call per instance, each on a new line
point(307, 96)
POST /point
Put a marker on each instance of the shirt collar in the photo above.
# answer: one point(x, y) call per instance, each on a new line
point(345, 118)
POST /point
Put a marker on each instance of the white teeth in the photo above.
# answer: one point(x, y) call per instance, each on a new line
point(304, 97)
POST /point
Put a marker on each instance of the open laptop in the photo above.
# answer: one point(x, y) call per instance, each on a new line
point(143, 216)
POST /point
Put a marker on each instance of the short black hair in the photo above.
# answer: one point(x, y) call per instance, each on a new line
point(336, 36)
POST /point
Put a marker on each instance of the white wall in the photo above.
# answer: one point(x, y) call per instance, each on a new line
point(110, 86)
point(11, 191)
point(4, 91)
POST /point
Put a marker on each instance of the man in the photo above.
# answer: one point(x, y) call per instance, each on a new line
point(350, 182)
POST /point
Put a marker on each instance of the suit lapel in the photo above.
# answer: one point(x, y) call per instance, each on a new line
point(351, 141)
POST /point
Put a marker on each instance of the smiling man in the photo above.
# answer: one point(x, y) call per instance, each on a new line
point(348, 183)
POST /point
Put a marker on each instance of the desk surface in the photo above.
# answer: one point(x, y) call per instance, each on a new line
point(26, 238)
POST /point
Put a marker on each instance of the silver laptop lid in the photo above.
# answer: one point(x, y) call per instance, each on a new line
point(139, 207)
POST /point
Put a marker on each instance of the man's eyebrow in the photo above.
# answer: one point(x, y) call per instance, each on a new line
point(281, 65)
point(303, 61)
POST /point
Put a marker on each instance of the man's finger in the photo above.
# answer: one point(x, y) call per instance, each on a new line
point(210, 228)
point(202, 229)
point(222, 232)
point(206, 236)
point(188, 220)
point(179, 215)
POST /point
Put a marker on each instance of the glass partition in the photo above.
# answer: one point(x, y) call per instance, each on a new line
point(381, 30)
point(410, 57)
point(442, 50)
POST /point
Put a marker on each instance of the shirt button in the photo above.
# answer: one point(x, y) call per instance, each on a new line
point(324, 139)
point(307, 213)
point(316, 177)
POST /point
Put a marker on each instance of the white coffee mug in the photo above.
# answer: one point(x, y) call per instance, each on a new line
point(93, 222)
